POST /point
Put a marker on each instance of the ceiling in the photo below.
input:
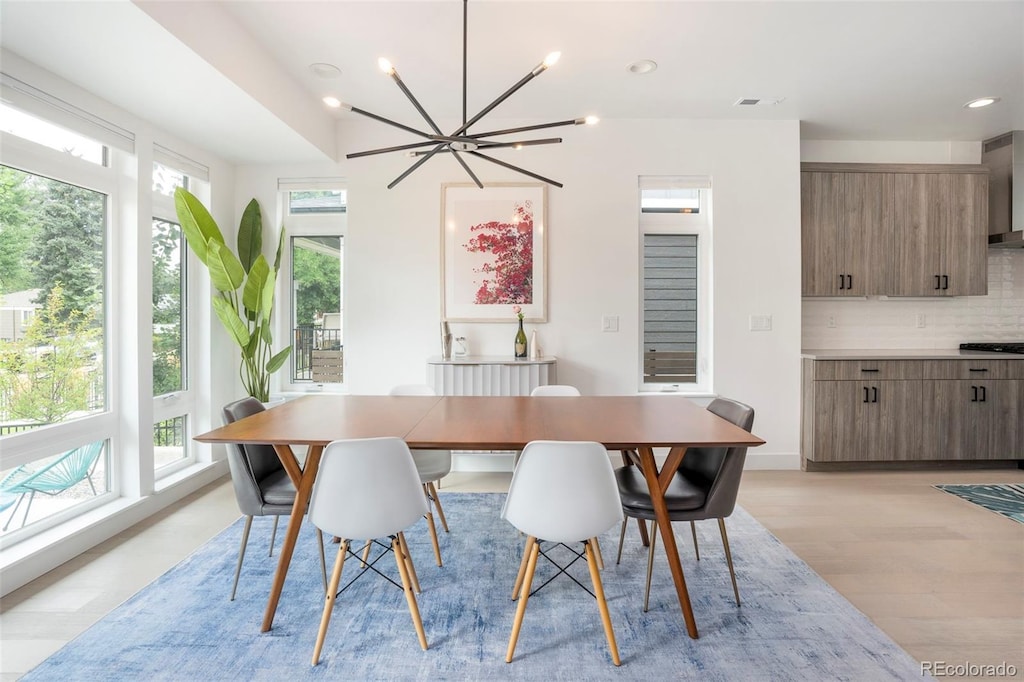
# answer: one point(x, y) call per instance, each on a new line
point(234, 76)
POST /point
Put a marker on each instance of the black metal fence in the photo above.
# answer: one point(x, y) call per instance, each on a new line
point(306, 340)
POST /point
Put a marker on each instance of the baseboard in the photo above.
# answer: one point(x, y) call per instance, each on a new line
point(927, 465)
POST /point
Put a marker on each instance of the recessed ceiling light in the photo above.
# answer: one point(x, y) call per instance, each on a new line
point(324, 70)
point(332, 102)
point(981, 102)
point(642, 66)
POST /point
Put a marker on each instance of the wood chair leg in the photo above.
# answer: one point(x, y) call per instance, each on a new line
point(524, 594)
point(530, 541)
point(437, 505)
point(366, 552)
point(728, 558)
point(650, 564)
point(409, 565)
point(693, 531)
point(404, 562)
point(602, 605)
point(622, 537)
point(433, 536)
point(323, 559)
point(241, 554)
point(273, 534)
point(597, 553)
point(329, 599)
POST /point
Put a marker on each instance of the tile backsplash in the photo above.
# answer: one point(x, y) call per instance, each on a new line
point(880, 322)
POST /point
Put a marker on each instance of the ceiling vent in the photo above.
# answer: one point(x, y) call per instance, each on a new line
point(756, 101)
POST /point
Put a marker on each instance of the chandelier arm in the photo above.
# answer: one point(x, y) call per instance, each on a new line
point(516, 169)
point(426, 117)
point(501, 98)
point(497, 145)
point(465, 42)
point(375, 117)
point(463, 163)
point(384, 150)
point(523, 129)
point(426, 157)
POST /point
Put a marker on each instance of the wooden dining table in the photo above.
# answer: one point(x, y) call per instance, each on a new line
point(640, 423)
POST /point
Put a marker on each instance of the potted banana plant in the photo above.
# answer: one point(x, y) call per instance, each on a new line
point(244, 286)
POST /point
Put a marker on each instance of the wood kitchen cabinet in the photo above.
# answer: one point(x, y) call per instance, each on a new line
point(894, 229)
point(941, 234)
point(912, 410)
point(846, 231)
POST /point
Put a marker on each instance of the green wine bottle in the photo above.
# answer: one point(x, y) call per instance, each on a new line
point(520, 341)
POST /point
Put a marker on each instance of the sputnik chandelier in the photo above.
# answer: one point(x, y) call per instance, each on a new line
point(461, 140)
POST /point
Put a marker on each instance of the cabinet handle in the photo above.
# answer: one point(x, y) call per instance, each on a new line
point(849, 281)
point(984, 395)
point(869, 370)
point(842, 282)
point(974, 394)
point(945, 281)
point(977, 370)
point(866, 399)
point(874, 394)
point(938, 282)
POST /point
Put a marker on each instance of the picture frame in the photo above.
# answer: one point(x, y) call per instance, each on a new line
point(491, 259)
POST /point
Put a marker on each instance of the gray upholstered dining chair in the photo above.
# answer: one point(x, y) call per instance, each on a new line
point(704, 487)
point(368, 488)
point(432, 465)
point(262, 487)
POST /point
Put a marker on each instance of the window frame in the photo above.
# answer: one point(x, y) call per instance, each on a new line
point(321, 224)
point(699, 225)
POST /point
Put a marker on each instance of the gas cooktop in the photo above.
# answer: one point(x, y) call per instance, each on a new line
point(1008, 347)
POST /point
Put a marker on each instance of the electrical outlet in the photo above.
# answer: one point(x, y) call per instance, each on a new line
point(610, 323)
point(921, 321)
point(760, 323)
point(831, 322)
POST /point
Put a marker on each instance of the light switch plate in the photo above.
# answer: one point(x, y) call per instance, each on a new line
point(760, 323)
point(609, 323)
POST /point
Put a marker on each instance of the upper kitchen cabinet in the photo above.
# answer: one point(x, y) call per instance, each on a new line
point(941, 233)
point(896, 230)
point(847, 232)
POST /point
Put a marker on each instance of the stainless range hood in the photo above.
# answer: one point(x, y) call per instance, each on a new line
point(1004, 156)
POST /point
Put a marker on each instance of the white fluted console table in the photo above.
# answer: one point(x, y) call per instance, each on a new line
point(488, 375)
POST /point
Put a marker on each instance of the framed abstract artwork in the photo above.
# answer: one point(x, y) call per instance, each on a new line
point(493, 252)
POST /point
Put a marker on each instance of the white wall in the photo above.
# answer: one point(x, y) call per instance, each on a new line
point(878, 322)
point(393, 297)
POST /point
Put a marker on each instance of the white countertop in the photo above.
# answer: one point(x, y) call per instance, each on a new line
point(906, 354)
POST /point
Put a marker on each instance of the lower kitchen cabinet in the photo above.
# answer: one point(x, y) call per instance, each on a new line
point(912, 410)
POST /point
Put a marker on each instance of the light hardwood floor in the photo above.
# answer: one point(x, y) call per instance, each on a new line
point(944, 578)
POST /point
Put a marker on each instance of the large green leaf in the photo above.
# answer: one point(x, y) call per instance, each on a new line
point(228, 316)
point(226, 272)
point(196, 222)
point(268, 295)
point(250, 235)
point(253, 297)
point(280, 245)
point(275, 362)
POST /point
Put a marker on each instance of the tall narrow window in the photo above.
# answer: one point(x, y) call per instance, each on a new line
point(675, 284)
point(318, 353)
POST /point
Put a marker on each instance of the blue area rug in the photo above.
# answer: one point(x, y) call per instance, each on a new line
point(1002, 498)
point(792, 625)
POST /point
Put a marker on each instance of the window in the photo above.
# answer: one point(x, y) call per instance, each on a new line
point(29, 127)
point(315, 273)
point(674, 290)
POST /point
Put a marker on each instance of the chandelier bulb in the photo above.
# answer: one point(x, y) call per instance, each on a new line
point(591, 120)
point(386, 66)
point(551, 59)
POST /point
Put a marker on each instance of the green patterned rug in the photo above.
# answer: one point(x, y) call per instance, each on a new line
point(1005, 499)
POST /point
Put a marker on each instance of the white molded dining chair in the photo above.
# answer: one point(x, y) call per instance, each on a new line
point(563, 390)
point(539, 504)
point(368, 489)
point(432, 465)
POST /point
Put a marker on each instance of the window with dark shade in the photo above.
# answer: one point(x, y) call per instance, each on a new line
point(670, 290)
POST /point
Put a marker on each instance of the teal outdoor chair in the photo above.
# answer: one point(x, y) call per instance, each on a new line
point(62, 473)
